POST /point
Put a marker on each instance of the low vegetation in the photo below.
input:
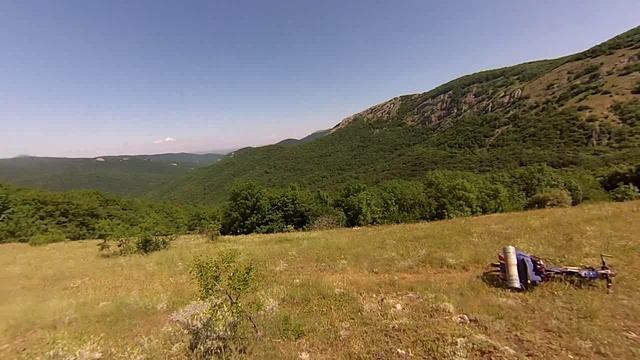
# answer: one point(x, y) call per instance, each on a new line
point(228, 321)
point(391, 291)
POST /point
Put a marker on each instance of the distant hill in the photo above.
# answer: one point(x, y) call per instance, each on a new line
point(576, 112)
point(133, 175)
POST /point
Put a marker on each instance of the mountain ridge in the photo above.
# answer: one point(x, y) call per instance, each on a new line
point(133, 175)
point(567, 112)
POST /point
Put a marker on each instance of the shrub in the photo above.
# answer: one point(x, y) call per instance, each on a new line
point(47, 238)
point(212, 230)
point(550, 198)
point(625, 192)
point(227, 313)
point(143, 244)
point(148, 243)
point(326, 222)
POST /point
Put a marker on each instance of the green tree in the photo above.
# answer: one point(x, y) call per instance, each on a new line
point(246, 210)
point(454, 194)
point(404, 201)
point(360, 205)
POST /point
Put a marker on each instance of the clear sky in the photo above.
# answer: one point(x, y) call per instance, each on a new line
point(87, 78)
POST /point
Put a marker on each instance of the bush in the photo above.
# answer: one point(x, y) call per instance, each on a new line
point(326, 222)
point(148, 243)
point(143, 244)
point(212, 230)
point(550, 198)
point(227, 312)
point(625, 192)
point(52, 236)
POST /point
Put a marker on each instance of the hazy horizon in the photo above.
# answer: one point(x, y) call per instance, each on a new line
point(86, 79)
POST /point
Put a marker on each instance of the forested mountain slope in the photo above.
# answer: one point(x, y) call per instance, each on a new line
point(125, 175)
point(579, 112)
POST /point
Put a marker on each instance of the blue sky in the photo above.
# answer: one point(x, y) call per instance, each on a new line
point(86, 78)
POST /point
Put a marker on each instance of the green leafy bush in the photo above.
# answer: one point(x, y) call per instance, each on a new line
point(142, 244)
point(47, 238)
point(148, 243)
point(550, 198)
point(226, 284)
point(625, 192)
point(212, 230)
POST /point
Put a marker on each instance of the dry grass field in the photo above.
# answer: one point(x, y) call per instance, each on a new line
point(379, 292)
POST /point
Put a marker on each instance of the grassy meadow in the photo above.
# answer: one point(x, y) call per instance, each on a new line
point(378, 292)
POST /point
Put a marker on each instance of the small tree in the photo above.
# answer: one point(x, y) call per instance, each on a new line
point(225, 284)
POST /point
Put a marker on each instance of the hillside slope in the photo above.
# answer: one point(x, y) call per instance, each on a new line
point(124, 175)
point(579, 111)
point(371, 293)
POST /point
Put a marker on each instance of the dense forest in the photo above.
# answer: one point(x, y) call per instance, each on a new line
point(39, 217)
point(127, 175)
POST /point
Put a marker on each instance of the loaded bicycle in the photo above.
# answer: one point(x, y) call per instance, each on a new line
point(522, 271)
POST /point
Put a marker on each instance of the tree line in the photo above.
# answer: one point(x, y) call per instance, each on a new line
point(36, 216)
point(439, 195)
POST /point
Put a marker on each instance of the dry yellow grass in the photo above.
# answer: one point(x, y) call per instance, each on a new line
point(379, 292)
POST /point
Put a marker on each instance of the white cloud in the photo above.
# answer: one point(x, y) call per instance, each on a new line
point(165, 140)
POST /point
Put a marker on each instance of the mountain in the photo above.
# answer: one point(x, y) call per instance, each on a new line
point(576, 112)
point(311, 137)
point(133, 175)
